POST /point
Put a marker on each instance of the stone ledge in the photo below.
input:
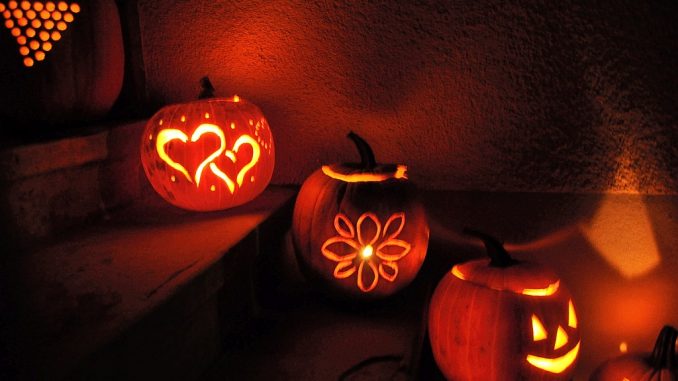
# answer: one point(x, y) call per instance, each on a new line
point(49, 188)
point(135, 292)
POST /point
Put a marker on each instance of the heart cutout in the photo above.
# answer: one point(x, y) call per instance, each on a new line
point(168, 135)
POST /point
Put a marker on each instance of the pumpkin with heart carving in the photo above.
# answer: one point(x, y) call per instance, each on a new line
point(210, 154)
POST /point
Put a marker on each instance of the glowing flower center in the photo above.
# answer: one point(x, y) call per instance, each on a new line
point(377, 250)
point(367, 251)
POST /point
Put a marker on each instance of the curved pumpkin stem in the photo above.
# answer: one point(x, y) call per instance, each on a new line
point(367, 160)
point(207, 90)
point(664, 353)
point(499, 257)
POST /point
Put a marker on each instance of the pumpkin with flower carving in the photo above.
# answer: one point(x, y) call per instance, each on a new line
point(358, 229)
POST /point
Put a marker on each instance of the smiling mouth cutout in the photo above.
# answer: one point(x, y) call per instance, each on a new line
point(555, 365)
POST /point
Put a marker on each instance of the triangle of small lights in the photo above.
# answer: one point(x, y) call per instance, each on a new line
point(37, 25)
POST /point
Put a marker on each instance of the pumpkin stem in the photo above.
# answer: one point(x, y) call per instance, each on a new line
point(499, 257)
point(367, 160)
point(207, 90)
point(664, 353)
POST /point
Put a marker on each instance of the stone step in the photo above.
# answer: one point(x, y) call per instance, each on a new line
point(145, 294)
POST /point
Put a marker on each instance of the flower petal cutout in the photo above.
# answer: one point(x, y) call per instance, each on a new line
point(394, 225)
point(375, 276)
point(344, 226)
point(349, 245)
point(388, 270)
point(363, 227)
point(393, 250)
point(344, 269)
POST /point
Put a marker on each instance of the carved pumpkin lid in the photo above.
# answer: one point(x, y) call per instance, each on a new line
point(367, 170)
point(503, 273)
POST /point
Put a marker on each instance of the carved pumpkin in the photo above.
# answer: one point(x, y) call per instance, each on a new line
point(358, 228)
point(59, 61)
point(503, 319)
point(660, 365)
point(210, 154)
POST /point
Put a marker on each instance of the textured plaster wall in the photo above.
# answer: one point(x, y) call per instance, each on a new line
point(482, 95)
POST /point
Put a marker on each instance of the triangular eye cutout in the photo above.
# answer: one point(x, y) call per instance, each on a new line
point(561, 338)
point(571, 317)
point(538, 330)
point(37, 25)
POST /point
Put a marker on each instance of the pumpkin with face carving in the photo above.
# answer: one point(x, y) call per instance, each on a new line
point(502, 320)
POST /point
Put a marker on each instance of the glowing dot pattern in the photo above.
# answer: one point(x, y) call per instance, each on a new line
point(37, 25)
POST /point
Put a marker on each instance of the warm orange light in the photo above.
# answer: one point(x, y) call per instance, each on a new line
point(538, 330)
point(623, 347)
point(556, 365)
point(256, 153)
point(373, 256)
point(168, 135)
point(456, 272)
point(561, 338)
point(367, 252)
point(200, 131)
point(622, 234)
point(571, 316)
point(25, 15)
point(400, 173)
point(164, 137)
point(549, 290)
point(236, 98)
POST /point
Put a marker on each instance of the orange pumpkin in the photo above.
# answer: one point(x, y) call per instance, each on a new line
point(210, 154)
point(660, 365)
point(60, 62)
point(359, 229)
point(503, 319)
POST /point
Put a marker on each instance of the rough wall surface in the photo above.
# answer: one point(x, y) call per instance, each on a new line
point(476, 95)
